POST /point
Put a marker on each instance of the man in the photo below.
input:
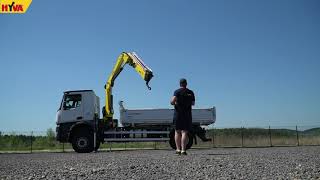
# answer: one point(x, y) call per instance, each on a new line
point(183, 98)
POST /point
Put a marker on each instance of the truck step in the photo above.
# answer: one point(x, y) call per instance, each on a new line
point(134, 139)
point(136, 132)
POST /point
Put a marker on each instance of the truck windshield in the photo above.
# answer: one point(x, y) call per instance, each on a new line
point(71, 101)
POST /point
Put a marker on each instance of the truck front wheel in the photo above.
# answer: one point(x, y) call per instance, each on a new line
point(173, 143)
point(82, 141)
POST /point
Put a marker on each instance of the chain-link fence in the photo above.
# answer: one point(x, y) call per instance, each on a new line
point(269, 136)
point(30, 141)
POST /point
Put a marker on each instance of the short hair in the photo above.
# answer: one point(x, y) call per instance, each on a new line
point(183, 82)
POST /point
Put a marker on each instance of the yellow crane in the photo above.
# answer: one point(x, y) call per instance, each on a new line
point(132, 59)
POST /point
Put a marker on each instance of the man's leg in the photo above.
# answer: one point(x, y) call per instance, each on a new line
point(177, 138)
point(184, 140)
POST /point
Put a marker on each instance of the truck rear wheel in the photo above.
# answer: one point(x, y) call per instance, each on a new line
point(173, 143)
point(82, 141)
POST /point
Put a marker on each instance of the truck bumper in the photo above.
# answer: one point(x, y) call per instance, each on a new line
point(62, 133)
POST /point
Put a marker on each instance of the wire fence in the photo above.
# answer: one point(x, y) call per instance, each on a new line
point(37, 141)
point(265, 136)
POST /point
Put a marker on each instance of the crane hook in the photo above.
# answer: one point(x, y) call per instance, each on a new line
point(147, 83)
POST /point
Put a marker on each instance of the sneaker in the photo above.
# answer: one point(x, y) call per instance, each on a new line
point(178, 152)
point(183, 153)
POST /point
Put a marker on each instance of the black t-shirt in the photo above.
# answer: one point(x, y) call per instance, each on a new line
point(185, 97)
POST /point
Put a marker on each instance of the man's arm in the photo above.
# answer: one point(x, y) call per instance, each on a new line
point(193, 99)
point(173, 100)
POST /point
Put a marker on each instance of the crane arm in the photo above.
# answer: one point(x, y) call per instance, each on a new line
point(125, 58)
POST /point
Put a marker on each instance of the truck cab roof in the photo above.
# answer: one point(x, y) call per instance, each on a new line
point(75, 91)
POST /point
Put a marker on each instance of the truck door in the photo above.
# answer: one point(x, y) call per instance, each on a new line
point(72, 108)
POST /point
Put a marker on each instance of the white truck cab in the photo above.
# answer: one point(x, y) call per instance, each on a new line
point(79, 105)
point(77, 111)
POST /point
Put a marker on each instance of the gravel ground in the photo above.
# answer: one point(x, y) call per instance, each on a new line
point(228, 163)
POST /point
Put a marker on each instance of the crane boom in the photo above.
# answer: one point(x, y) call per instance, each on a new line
point(133, 60)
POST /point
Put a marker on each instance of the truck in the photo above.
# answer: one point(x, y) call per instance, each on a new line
point(79, 123)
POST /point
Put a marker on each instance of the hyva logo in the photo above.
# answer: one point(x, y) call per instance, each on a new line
point(14, 6)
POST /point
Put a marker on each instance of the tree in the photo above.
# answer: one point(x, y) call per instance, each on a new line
point(51, 137)
point(50, 133)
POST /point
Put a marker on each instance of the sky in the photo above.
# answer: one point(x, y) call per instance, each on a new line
point(257, 62)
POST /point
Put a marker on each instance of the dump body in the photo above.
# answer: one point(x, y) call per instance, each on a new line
point(147, 117)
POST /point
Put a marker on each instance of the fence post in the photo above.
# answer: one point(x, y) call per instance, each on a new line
point(270, 139)
point(242, 136)
point(212, 140)
point(31, 141)
point(297, 136)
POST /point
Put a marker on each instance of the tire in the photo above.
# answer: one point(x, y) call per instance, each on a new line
point(173, 143)
point(82, 141)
